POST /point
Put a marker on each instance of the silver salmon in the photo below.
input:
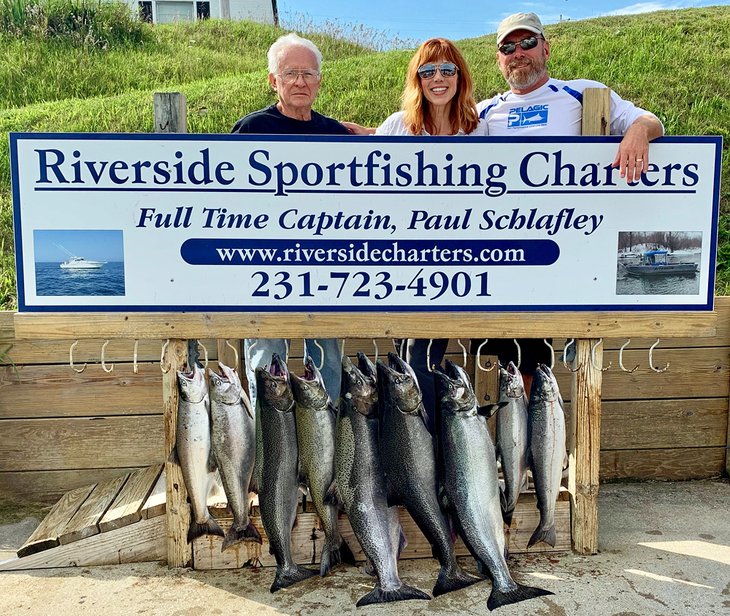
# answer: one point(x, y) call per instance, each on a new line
point(471, 483)
point(193, 449)
point(512, 439)
point(280, 473)
point(408, 456)
point(361, 484)
point(234, 446)
point(546, 420)
point(316, 418)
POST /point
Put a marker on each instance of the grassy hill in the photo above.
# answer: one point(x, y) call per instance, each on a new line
point(671, 62)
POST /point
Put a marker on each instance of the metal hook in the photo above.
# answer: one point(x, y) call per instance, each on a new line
point(489, 361)
point(519, 353)
point(135, 367)
point(71, 358)
point(428, 355)
point(621, 358)
point(103, 365)
point(228, 344)
point(375, 344)
point(593, 356)
point(651, 360)
point(565, 354)
point(321, 353)
point(205, 354)
point(463, 348)
point(162, 356)
point(552, 353)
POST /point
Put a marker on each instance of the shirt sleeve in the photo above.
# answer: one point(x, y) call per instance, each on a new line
point(393, 125)
point(624, 113)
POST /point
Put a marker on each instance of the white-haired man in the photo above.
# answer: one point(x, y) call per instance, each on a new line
point(295, 75)
point(538, 105)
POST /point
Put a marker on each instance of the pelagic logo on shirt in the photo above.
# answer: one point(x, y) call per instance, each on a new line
point(534, 115)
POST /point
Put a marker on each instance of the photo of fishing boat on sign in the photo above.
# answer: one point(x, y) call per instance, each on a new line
point(79, 262)
point(658, 263)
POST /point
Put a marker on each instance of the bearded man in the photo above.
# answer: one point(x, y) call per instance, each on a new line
point(539, 106)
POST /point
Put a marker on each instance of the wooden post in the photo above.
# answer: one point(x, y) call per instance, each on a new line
point(179, 551)
point(584, 440)
point(171, 117)
point(584, 422)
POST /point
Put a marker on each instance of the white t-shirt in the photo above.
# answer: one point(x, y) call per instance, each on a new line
point(395, 125)
point(554, 109)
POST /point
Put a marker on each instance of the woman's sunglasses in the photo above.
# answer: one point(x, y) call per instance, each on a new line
point(428, 71)
point(526, 43)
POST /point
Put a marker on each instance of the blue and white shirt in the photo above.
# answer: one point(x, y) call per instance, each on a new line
point(554, 109)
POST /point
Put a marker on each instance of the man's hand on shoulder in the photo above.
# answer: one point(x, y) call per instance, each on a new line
point(632, 157)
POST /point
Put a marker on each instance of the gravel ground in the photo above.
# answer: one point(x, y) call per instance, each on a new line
point(664, 549)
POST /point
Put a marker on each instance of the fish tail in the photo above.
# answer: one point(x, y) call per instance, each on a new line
point(209, 527)
point(499, 598)
point(451, 579)
point(287, 577)
point(404, 593)
point(237, 535)
point(507, 515)
point(543, 534)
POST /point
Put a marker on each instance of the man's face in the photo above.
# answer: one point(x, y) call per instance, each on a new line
point(300, 93)
point(523, 69)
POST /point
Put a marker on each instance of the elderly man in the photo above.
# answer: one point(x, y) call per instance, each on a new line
point(556, 110)
point(295, 75)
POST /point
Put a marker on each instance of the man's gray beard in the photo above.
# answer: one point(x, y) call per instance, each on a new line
point(525, 77)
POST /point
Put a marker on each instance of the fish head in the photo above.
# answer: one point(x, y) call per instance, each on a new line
point(273, 386)
point(192, 385)
point(511, 384)
point(454, 393)
point(398, 381)
point(225, 386)
point(544, 384)
point(359, 386)
point(309, 390)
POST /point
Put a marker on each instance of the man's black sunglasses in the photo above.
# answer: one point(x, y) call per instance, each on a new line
point(526, 43)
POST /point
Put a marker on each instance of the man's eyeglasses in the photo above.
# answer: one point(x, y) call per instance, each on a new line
point(428, 71)
point(291, 75)
point(526, 43)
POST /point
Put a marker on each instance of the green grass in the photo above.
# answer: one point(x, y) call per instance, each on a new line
point(671, 62)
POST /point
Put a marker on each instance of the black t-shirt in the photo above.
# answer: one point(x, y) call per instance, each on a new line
point(271, 121)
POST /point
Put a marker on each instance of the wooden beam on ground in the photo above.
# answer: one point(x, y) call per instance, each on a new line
point(136, 543)
point(364, 325)
point(585, 446)
point(179, 552)
point(155, 503)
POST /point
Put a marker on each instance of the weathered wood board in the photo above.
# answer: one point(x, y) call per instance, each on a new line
point(127, 506)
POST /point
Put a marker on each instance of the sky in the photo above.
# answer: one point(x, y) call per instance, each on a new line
point(417, 20)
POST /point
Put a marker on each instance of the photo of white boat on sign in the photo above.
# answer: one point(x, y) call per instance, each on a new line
point(75, 262)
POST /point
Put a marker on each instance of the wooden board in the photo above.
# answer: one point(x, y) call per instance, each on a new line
point(46, 534)
point(362, 325)
point(85, 521)
point(136, 543)
point(307, 539)
point(664, 464)
point(157, 500)
point(127, 506)
point(101, 442)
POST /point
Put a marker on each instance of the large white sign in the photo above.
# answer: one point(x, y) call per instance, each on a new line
point(237, 222)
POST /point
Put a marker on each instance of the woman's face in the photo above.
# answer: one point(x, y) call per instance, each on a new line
point(439, 89)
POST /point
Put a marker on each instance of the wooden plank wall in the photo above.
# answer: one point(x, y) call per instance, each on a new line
point(60, 430)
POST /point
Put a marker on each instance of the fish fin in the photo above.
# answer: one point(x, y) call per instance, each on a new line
point(332, 496)
point(456, 579)
point(238, 535)
point(499, 598)
point(488, 410)
point(507, 516)
point(547, 535)
point(209, 527)
point(284, 579)
point(402, 542)
point(404, 593)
